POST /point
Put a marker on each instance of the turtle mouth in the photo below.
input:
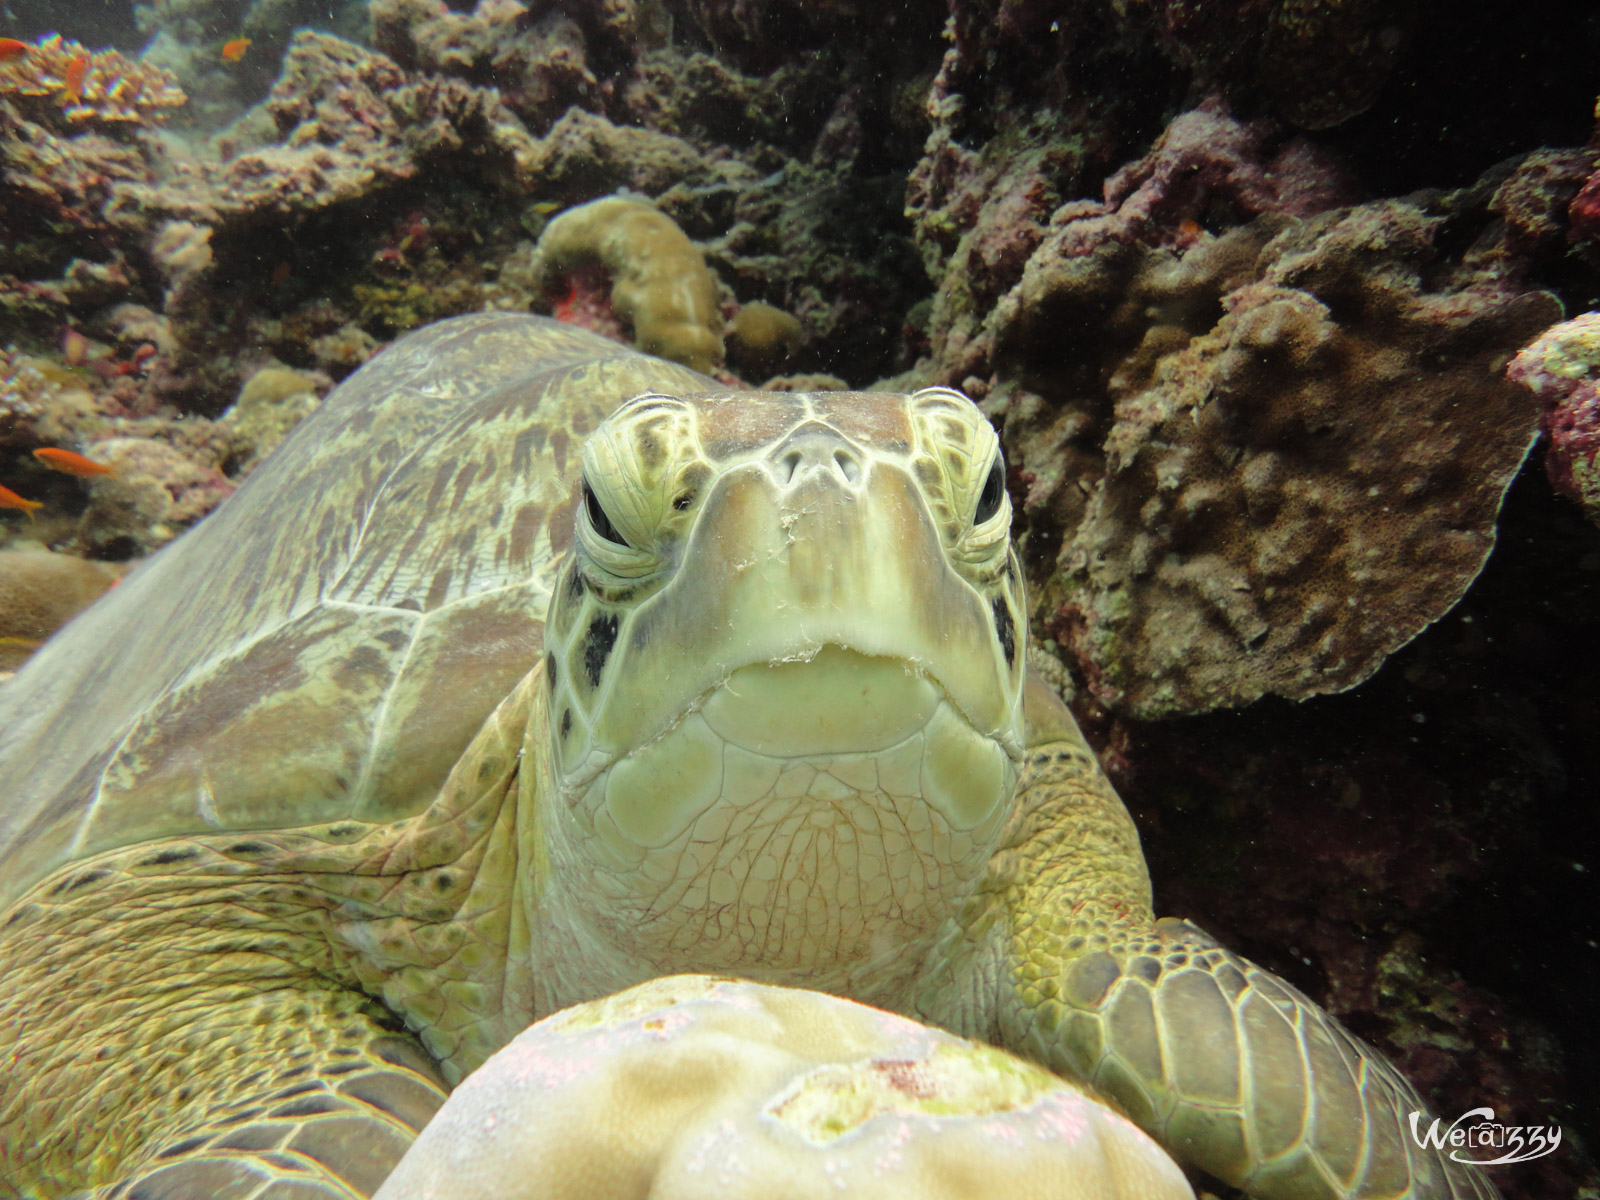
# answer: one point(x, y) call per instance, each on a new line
point(832, 724)
point(830, 701)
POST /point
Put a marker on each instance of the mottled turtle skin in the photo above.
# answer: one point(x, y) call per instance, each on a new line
point(420, 737)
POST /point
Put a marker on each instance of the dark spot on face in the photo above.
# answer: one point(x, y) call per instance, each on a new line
point(247, 848)
point(602, 637)
point(344, 830)
point(164, 857)
point(550, 671)
point(682, 502)
point(443, 881)
point(574, 585)
point(566, 722)
point(1005, 628)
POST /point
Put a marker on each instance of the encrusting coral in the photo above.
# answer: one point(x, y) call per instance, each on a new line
point(720, 1089)
point(660, 285)
point(1308, 441)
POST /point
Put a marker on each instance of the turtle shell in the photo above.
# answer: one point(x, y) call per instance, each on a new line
point(323, 646)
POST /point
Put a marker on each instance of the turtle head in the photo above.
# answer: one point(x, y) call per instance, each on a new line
point(786, 664)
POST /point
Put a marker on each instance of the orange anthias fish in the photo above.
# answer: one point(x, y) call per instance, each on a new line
point(77, 72)
point(233, 51)
point(69, 463)
point(10, 48)
point(9, 499)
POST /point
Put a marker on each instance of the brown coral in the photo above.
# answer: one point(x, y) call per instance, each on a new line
point(1310, 440)
point(110, 89)
point(40, 591)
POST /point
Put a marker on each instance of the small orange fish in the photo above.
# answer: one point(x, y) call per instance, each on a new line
point(11, 48)
point(1189, 229)
point(233, 51)
point(77, 71)
point(74, 348)
point(69, 463)
point(9, 499)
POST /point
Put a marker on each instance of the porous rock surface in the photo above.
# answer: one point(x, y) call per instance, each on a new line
point(696, 1088)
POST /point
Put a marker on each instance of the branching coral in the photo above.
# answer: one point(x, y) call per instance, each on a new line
point(61, 83)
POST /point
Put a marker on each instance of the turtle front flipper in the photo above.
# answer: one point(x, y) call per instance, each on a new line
point(158, 1055)
point(1227, 1066)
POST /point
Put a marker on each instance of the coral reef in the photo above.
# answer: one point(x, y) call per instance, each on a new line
point(1562, 367)
point(155, 492)
point(808, 1094)
point(1188, 372)
point(58, 82)
point(41, 591)
point(1304, 459)
point(272, 402)
point(659, 283)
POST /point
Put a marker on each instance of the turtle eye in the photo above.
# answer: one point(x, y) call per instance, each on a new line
point(994, 490)
point(597, 517)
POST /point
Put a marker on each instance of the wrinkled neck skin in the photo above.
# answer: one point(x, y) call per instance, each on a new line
point(826, 872)
point(829, 871)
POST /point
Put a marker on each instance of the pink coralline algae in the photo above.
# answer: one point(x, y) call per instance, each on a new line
point(1562, 367)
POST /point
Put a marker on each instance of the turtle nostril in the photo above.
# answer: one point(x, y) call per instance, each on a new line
point(817, 449)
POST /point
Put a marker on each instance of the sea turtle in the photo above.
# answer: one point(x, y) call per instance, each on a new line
point(531, 667)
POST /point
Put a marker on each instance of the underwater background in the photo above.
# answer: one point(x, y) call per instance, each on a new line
point(1284, 310)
